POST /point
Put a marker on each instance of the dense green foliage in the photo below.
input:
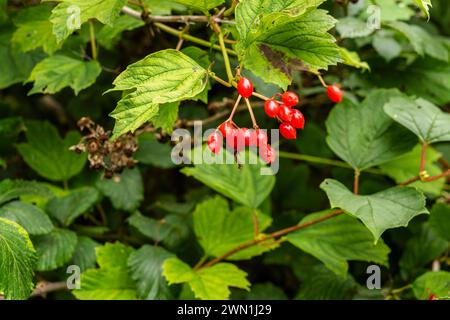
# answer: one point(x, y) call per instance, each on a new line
point(92, 90)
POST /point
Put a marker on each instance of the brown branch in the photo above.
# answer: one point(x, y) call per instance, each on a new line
point(270, 236)
point(422, 159)
point(439, 176)
point(356, 181)
point(45, 287)
point(175, 18)
point(407, 182)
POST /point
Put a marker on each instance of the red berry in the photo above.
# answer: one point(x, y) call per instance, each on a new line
point(236, 140)
point(285, 113)
point(334, 93)
point(249, 136)
point(267, 154)
point(288, 131)
point(227, 129)
point(261, 137)
point(245, 87)
point(432, 297)
point(215, 142)
point(289, 98)
point(298, 120)
point(271, 108)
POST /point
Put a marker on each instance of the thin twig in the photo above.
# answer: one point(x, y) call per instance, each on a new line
point(273, 235)
point(357, 173)
point(250, 110)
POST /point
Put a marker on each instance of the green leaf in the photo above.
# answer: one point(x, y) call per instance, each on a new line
point(55, 249)
point(16, 65)
point(391, 208)
point(146, 270)
point(58, 71)
point(30, 217)
point(48, 154)
point(391, 10)
point(72, 205)
point(84, 255)
point(171, 230)
point(274, 39)
point(153, 152)
point(261, 291)
point(125, 194)
point(34, 30)
point(245, 185)
point(13, 189)
point(436, 283)
point(424, 6)
point(68, 15)
point(351, 27)
point(220, 230)
point(322, 284)
point(111, 281)
point(421, 40)
point(338, 240)
point(108, 36)
point(423, 118)
point(166, 117)
point(164, 8)
point(210, 283)
point(17, 258)
point(352, 59)
point(363, 135)
point(440, 220)
point(201, 5)
point(386, 46)
point(407, 167)
point(202, 58)
point(162, 77)
point(420, 250)
point(427, 78)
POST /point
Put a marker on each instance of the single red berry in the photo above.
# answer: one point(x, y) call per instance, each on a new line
point(215, 142)
point(285, 113)
point(227, 129)
point(267, 153)
point(289, 98)
point(334, 93)
point(245, 87)
point(249, 136)
point(432, 297)
point(298, 120)
point(288, 131)
point(261, 137)
point(236, 140)
point(271, 108)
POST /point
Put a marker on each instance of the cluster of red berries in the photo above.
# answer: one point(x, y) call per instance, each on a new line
point(239, 138)
point(291, 119)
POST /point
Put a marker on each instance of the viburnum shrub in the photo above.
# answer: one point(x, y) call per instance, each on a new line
point(332, 116)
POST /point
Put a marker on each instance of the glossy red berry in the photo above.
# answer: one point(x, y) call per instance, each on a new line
point(245, 87)
point(288, 131)
point(289, 98)
point(249, 136)
point(285, 113)
point(227, 129)
point(261, 137)
point(267, 153)
point(215, 142)
point(271, 108)
point(334, 93)
point(298, 120)
point(236, 140)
